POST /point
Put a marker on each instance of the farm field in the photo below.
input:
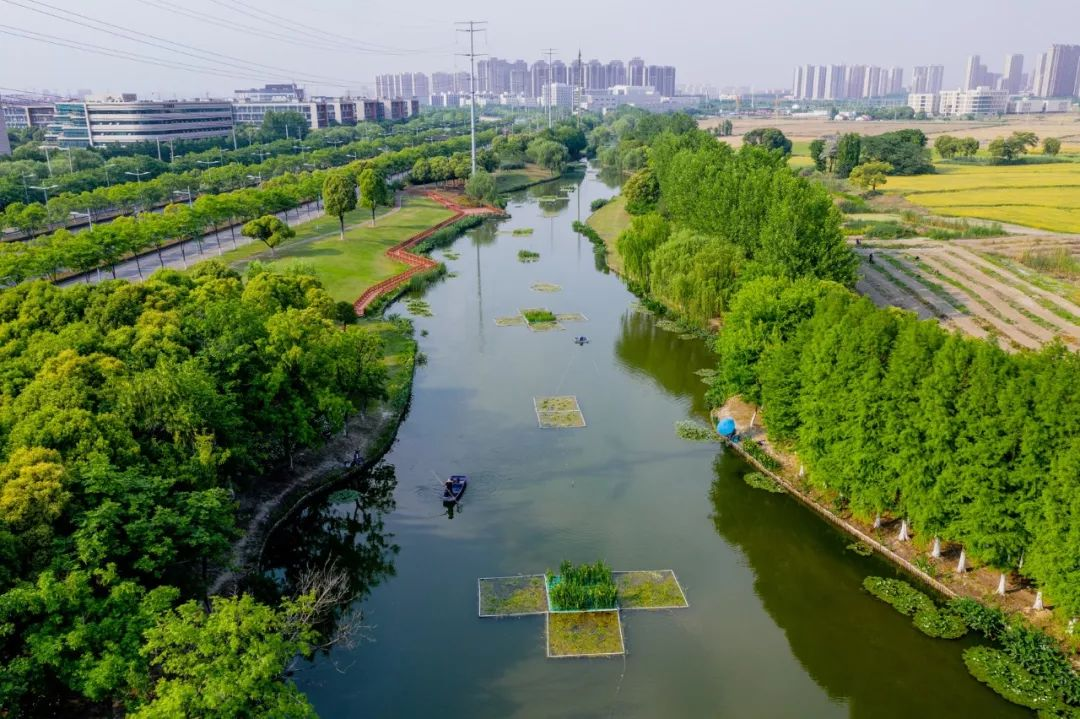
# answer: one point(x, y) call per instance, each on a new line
point(1044, 196)
point(974, 287)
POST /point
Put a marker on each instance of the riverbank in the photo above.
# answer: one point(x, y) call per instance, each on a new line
point(609, 222)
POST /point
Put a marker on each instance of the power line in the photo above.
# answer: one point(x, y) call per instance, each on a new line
point(550, 52)
point(472, 29)
point(189, 50)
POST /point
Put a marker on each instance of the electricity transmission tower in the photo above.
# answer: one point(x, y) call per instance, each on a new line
point(474, 26)
point(550, 51)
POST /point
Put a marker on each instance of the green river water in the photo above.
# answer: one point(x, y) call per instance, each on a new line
point(778, 625)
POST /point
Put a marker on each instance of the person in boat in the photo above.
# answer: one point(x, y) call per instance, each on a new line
point(449, 484)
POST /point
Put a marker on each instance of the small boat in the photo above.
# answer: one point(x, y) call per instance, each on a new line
point(452, 493)
point(583, 340)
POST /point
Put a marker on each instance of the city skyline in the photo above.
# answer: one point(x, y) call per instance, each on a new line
point(378, 41)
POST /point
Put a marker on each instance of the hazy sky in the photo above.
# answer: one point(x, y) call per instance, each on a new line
point(756, 43)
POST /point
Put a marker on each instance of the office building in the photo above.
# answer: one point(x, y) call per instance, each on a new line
point(927, 79)
point(126, 120)
point(1012, 79)
point(923, 102)
point(22, 115)
point(316, 113)
point(1038, 105)
point(270, 93)
point(979, 102)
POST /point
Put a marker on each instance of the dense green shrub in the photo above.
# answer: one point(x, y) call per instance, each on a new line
point(446, 235)
point(756, 451)
point(586, 586)
point(598, 203)
point(887, 231)
point(988, 621)
point(1006, 677)
point(903, 597)
point(757, 480)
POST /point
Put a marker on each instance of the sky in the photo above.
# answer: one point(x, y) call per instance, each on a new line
point(338, 46)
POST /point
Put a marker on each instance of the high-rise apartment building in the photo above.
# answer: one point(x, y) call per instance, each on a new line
point(1057, 72)
point(974, 74)
point(635, 72)
point(834, 82)
point(927, 78)
point(1012, 79)
point(854, 80)
point(616, 73)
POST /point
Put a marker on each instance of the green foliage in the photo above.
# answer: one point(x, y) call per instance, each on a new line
point(642, 192)
point(817, 154)
point(770, 138)
point(904, 151)
point(638, 242)
point(1051, 146)
point(903, 597)
point(527, 256)
point(447, 235)
point(581, 587)
point(230, 661)
point(598, 203)
point(995, 669)
point(549, 154)
point(870, 175)
point(268, 229)
point(949, 147)
point(988, 621)
point(694, 431)
point(693, 273)
point(480, 187)
point(848, 154)
point(1011, 148)
point(373, 190)
point(861, 548)
point(758, 452)
point(131, 413)
point(598, 245)
point(537, 315)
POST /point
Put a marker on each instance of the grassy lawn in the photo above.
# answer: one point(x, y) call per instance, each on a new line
point(1041, 196)
point(508, 180)
point(348, 268)
point(609, 221)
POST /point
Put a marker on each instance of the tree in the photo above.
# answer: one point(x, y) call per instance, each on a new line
point(268, 229)
point(726, 128)
point(848, 150)
point(817, 154)
point(947, 146)
point(642, 192)
point(548, 154)
point(870, 175)
point(1011, 148)
point(339, 194)
point(905, 150)
point(282, 124)
point(481, 187)
point(373, 190)
point(1051, 146)
point(637, 243)
point(770, 138)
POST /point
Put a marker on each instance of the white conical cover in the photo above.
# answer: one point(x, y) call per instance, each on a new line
point(1001, 584)
point(877, 522)
point(903, 536)
point(961, 566)
point(936, 551)
point(1038, 606)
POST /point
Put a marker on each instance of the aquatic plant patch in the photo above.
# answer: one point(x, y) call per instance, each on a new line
point(571, 317)
point(512, 321)
point(649, 589)
point(545, 287)
point(522, 232)
point(559, 412)
point(512, 596)
point(451, 255)
point(583, 587)
point(757, 480)
point(1006, 677)
point(527, 256)
point(669, 325)
point(420, 308)
point(695, 431)
point(545, 327)
point(584, 634)
point(903, 597)
point(538, 315)
point(939, 623)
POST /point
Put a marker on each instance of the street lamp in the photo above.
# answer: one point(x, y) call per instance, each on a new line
point(262, 155)
point(186, 194)
point(45, 189)
point(108, 180)
point(89, 217)
point(71, 165)
point(138, 174)
point(208, 163)
point(25, 191)
point(257, 179)
point(48, 162)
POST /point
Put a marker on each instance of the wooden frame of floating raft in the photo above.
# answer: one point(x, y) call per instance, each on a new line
point(583, 634)
point(559, 412)
point(520, 320)
point(510, 596)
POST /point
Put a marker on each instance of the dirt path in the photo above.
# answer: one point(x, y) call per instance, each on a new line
point(1013, 278)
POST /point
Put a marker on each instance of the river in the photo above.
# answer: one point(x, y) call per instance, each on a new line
point(778, 625)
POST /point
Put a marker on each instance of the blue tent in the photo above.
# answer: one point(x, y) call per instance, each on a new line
point(726, 427)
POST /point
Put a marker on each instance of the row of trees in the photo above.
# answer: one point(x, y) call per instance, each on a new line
point(894, 415)
point(904, 151)
point(709, 217)
point(129, 415)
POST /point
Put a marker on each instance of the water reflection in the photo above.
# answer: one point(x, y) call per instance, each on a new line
point(859, 650)
point(664, 358)
point(345, 528)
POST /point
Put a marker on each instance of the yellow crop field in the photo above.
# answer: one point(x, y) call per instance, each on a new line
point(1040, 196)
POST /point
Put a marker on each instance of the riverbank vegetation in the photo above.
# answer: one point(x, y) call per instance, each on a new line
point(131, 415)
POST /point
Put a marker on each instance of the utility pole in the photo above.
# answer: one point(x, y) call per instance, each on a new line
point(474, 26)
point(550, 51)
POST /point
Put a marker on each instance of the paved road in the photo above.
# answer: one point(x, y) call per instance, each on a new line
point(185, 254)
